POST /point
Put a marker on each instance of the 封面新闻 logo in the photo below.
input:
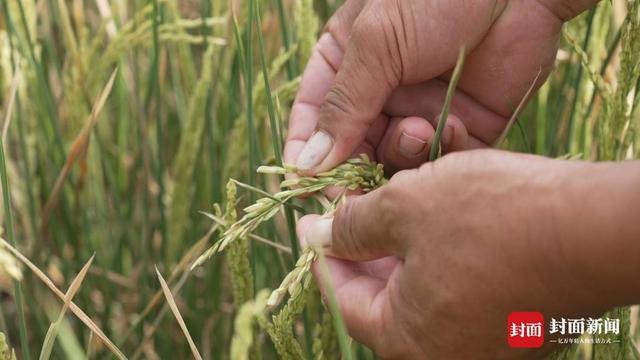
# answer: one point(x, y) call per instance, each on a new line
point(525, 329)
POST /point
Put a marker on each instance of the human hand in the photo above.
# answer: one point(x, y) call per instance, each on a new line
point(377, 79)
point(431, 264)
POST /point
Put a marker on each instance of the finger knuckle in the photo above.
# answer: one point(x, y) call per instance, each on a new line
point(337, 24)
point(328, 48)
point(333, 25)
point(339, 114)
point(339, 102)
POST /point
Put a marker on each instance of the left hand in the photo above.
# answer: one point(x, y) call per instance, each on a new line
point(377, 78)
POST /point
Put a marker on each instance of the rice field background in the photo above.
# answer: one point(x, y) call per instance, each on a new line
point(122, 122)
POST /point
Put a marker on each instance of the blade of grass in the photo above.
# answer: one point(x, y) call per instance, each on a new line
point(499, 142)
point(13, 90)
point(78, 151)
point(50, 338)
point(89, 351)
point(238, 38)
point(541, 119)
point(286, 39)
point(24, 340)
point(6, 197)
point(155, 82)
point(248, 72)
point(277, 150)
point(436, 147)
point(21, 134)
point(180, 268)
point(251, 128)
point(72, 306)
point(275, 137)
point(156, 322)
point(176, 313)
point(341, 329)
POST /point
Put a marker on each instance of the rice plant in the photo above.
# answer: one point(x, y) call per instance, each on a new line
point(149, 133)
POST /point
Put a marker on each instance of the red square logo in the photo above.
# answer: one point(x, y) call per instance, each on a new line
point(525, 329)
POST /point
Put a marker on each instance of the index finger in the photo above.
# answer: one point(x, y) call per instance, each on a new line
point(318, 76)
point(316, 81)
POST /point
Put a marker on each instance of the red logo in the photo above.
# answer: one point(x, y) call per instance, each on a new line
point(525, 329)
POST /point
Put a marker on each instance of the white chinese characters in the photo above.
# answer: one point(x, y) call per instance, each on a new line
point(591, 326)
point(524, 329)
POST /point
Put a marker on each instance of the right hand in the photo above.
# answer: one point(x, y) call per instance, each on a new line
point(377, 79)
point(430, 265)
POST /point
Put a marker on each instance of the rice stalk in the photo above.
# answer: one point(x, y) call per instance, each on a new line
point(193, 39)
point(186, 24)
point(514, 117)
point(186, 159)
point(186, 70)
point(155, 90)
point(628, 76)
point(8, 219)
point(276, 134)
point(138, 31)
point(45, 93)
point(246, 316)
point(604, 89)
point(286, 37)
point(78, 150)
point(238, 254)
point(280, 329)
point(67, 30)
point(238, 151)
point(26, 30)
point(579, 86)
point(292, 283)
point(436, 146)
point(325, 346)
point(307, 25)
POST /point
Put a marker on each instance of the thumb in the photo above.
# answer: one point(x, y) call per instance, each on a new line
point(362, 229)
point(363, 82)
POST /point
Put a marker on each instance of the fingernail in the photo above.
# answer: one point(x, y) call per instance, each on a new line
point(320, 234)
point(447, 135)
point(316, 149)
point(411, 146)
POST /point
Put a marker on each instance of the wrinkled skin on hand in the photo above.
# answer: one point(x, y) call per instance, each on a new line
point(431, 264)
point(377, 79)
